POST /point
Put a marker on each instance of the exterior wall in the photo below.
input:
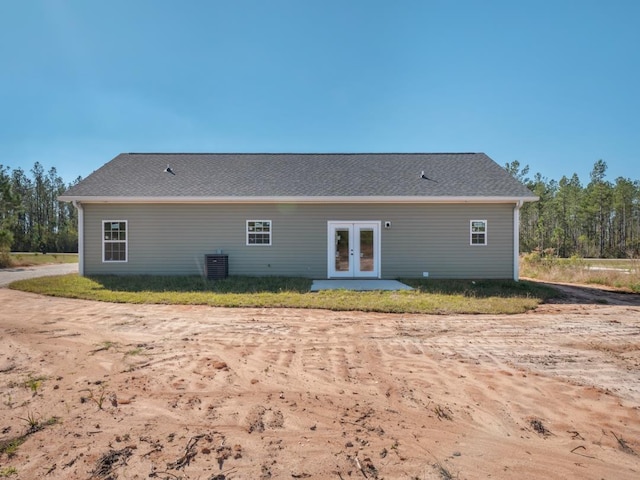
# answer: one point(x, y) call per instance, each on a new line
point(173, 238)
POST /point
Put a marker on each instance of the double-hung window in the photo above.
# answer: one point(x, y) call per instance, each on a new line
point(114, 240)
point(478, 232)
point(259, 232)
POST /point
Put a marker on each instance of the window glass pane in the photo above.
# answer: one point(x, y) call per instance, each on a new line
point(108, 252)
point(478, 226)
point(115, 252)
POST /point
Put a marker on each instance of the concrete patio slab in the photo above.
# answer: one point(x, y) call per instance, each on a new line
point(358, 285)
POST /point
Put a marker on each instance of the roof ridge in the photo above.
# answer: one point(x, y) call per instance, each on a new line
point(305, 153)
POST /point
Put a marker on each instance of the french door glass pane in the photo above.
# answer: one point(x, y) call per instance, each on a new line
point(342, 250)
point(366, 250)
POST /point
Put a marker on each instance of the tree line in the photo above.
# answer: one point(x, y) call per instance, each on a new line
point(598, 220)
point(31, 217)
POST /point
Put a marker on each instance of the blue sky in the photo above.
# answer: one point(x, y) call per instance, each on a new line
point(552, 84)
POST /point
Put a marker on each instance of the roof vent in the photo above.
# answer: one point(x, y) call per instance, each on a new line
point(424, 177)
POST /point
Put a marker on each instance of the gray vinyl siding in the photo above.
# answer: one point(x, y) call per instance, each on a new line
point(173, 238)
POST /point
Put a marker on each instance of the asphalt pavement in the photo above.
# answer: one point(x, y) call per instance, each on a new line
point(8, 275)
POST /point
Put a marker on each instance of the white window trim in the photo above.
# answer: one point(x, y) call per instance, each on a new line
point(126, 241)
point(270, 232)
point(486, 233)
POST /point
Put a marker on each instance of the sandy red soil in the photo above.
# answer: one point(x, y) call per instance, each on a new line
point(175, 392)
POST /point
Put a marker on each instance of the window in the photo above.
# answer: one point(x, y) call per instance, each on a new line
point(258, 232)
point(478, 232)
point(114, 240)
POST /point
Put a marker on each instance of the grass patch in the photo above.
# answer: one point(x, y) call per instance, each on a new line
point(34, 424)
point(34, 383)
point(429, 296)
point(28, 259)
point(623, 274)
point(10, 447)
point(98, 397)
point(6, 472)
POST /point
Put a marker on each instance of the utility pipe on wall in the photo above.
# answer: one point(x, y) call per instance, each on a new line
point(516, 240)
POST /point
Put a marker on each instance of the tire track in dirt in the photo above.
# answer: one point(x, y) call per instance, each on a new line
point(323, 394)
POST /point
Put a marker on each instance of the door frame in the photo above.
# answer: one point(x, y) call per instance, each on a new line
point(331, 250)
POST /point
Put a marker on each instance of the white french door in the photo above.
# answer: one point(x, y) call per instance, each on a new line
point(354, 250)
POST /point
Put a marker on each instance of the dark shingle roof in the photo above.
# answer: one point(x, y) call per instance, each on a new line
point(142, 175)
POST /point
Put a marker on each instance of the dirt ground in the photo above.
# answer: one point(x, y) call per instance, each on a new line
point(175, 392)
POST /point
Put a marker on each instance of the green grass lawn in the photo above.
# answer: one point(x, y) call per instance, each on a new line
point(429, 296)
point(27, 259)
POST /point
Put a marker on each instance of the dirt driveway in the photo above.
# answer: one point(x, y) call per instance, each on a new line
point(8, 275)
point(175, 392)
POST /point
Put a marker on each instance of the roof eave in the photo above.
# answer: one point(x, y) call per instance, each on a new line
point(301, 199)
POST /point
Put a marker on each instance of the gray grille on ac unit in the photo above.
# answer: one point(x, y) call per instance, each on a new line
point(216, 266)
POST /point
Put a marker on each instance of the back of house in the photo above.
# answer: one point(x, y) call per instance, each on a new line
point(306, 215)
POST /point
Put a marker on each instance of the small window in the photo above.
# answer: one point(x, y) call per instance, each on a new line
point(114, 240)
point(258, 232)
point(478, 232)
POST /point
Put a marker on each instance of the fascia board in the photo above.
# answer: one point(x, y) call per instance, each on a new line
point(293, 199)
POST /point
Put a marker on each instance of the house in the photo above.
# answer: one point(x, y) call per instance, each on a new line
point(392, 215)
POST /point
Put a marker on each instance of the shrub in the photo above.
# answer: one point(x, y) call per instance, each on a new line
point(5, 259)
